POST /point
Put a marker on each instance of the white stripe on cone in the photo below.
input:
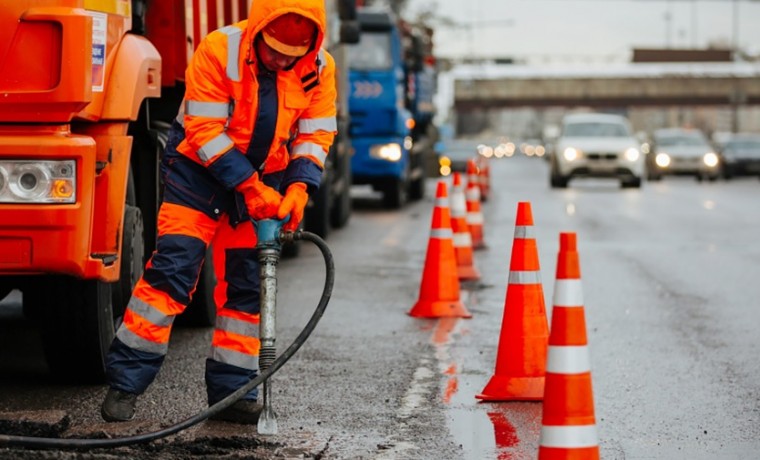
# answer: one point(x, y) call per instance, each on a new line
point(568, 359)
point(568, 293)
point(462, 240)
point(474, 218)
point(569, 437)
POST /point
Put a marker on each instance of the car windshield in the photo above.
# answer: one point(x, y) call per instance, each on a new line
point(459, 150)
point(373, 52)
point(595, 129)
point(680, 140)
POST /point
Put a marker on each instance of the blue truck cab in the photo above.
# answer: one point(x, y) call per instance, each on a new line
point(381, 111)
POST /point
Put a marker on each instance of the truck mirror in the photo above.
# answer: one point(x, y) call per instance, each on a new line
point(349, 32)
point(347, 10)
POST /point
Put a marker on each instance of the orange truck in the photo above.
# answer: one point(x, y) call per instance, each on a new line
point(87, 91)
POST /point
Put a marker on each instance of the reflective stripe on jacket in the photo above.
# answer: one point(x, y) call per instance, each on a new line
point(221, 99)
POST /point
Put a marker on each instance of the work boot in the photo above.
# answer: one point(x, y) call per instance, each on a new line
point(245, 412)
point(119, 406)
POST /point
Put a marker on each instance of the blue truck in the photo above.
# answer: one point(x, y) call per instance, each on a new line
point(392, 84)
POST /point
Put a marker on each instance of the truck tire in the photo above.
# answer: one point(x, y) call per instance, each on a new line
point(317, 214)
point(417, 188)
point(341, 210)
point(77, 322)
point(201, 312)
point(132, 249)
point(395, 193)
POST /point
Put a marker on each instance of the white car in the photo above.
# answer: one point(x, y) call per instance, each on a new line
point(596, 145)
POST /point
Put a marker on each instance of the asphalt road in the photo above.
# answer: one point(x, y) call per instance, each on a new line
point(670, 282)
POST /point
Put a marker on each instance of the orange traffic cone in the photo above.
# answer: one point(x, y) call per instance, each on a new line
point(568, 425)
point(474, 215)
point(462, 239)
point(521, 357)
point(439, 291)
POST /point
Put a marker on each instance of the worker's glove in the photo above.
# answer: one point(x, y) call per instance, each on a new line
point(261, 200)
point(294, 203)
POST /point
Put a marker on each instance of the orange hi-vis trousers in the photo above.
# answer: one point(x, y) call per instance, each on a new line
point(165, 289)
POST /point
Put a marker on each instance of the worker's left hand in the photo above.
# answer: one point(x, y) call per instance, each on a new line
point(293, 203)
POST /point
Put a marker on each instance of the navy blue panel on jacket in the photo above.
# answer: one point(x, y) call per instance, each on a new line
point(266, 119)
point(303, 170)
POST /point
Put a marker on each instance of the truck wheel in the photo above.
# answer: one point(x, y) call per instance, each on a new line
point(317, 215)
point(77, 321)
point(417, 188)
point(395, 194)
point(201, 312)
point(341, 210)
point(132, 249)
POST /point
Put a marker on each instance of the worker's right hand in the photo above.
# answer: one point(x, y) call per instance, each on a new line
point(261, 200)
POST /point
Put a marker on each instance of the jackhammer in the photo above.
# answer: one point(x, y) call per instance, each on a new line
point(270, 239)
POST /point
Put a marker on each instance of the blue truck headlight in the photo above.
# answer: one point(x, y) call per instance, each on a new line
point(388, 152)
point(37, 181)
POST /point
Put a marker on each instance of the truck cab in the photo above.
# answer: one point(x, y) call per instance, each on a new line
point(382, 122)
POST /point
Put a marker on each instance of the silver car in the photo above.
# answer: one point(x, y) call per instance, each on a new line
point(682, 151)
point(596, 145)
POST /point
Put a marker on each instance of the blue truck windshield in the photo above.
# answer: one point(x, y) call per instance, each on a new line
point(373, 52)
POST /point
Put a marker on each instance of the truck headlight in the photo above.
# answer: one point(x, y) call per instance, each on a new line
point(632, 154)
point(37, 181)
point(662, 160)
point(571, 154)
point(389, 152)
point(710, 160)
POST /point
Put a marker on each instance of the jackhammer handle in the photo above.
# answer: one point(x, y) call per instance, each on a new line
point(268, 230)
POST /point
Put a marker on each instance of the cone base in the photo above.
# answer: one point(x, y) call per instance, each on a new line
point(578, 453)
point(503, 388)
point(439, 309)
point(479, 246)
point(468, 273)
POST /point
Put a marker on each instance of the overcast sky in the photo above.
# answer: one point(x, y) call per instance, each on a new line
point(577, 31)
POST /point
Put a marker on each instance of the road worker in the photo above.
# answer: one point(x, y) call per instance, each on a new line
point(250, 142)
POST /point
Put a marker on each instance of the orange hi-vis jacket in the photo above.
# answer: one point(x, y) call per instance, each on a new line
point(221, 99)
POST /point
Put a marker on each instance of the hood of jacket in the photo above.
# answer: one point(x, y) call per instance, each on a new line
point(262, 12)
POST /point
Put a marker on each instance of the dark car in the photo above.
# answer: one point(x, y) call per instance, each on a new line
point(455, 156)
point(741, 155)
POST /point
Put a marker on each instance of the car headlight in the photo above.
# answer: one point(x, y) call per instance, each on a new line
point(632, 154)
point(710, 160)
point(571, 154)
point(389, 152)
point(26, 181)
point(662, 160)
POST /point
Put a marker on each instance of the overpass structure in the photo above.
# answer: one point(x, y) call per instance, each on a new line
point(732, 84)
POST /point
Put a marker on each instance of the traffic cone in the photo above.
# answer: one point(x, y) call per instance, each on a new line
point(439, 290)
point(568, 425)
point(521, 357)
point(462, 239)
point(474, 215)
